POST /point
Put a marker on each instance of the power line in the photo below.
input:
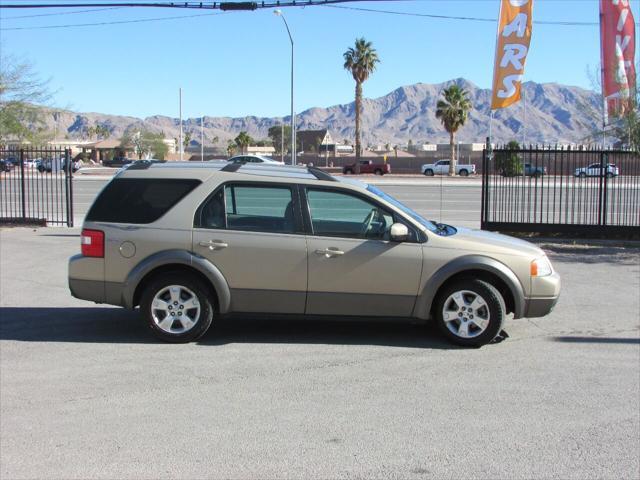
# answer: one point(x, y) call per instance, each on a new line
point(116, 22)
point(450, 17)
point(61, 13)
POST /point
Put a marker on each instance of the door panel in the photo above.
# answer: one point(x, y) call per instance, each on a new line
point(370, 277)
point(247, 231)
point(266, 272)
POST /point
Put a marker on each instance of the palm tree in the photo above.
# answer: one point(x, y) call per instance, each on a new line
point(453, 112)
point(243, 140)
point(361, 61)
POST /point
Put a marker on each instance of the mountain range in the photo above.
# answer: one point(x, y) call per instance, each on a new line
point(554, 114)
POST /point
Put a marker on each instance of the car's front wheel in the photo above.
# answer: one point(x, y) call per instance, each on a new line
point(470, 312)
point(177, 307)
point(428, 172)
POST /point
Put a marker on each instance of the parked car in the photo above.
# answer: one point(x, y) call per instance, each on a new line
point(192, 242)
point(254, 159)
point(48, 164)
point(5, 166)
point(529, 171)
point(117, 162)
point(368, 166)
point(595, 170)
point(441, 167)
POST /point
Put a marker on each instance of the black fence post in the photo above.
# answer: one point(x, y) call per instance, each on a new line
point(23, 196)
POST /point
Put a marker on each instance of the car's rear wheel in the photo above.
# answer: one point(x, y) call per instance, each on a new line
point(464, 173)
point(609, 175)
point(348, 171)
point(582, 175)
point(428, 172)
point(470, 312)
point(177, 307)
point(378, 171)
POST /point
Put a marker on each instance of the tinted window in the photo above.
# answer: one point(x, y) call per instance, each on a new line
point(138, 200)
point(342, 215)
point(252, 208)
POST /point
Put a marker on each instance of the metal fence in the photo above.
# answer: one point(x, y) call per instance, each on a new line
point(36, 186)
point(551, 190)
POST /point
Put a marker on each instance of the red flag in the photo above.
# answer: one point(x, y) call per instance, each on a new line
point(618, 49)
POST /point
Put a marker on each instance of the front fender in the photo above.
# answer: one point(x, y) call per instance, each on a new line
point(180, 257)
point(469, 262)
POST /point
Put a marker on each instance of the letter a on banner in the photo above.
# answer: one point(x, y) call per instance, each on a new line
point(618, 48)
point(512, 46)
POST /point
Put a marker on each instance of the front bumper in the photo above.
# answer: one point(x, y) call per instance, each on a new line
point(545, 292)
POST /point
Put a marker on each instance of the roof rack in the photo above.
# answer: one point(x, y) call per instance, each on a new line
point(321, 174)
point(232, 167)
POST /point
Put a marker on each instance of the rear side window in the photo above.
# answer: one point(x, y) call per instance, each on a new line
point(139, 200)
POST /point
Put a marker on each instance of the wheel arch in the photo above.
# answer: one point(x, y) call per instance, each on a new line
point(176, 260)
point(474, 266)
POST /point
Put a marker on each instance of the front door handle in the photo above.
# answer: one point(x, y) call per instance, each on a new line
point(214, 244)
point(330, 252)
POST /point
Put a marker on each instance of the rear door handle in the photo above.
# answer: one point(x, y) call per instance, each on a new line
point(330, 252)
point(214, 244)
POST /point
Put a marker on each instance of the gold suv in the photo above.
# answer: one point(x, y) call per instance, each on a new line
point(191, 242)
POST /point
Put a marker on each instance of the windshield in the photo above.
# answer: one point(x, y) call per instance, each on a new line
point(426, 223)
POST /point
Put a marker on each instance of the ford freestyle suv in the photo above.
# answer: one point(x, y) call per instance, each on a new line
point(190, 243)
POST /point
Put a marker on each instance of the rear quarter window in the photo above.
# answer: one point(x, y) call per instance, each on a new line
point(139, 200)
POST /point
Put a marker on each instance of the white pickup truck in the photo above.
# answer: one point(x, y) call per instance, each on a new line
point(441, 167)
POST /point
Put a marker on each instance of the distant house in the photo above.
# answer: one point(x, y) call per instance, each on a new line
point(314, 141)
point(105, 150)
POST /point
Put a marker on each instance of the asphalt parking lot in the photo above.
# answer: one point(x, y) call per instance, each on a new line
point(86, 392)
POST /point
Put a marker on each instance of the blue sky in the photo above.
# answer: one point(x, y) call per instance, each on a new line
point(237, 64)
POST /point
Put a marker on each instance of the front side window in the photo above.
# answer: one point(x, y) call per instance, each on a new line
point(250, 208)
point(340, 214)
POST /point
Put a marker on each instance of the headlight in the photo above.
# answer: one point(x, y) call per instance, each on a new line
point(541, 267)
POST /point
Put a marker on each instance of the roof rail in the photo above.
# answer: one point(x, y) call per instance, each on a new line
point(321, 174)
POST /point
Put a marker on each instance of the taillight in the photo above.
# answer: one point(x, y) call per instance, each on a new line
point(92, 243)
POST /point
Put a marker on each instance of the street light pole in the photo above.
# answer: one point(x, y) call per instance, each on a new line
point(293, 115)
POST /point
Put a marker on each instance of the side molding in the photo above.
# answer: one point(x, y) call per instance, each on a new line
point(181, 257)
point(461, 264)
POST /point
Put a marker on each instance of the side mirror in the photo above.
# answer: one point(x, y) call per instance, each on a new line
point(399, 232)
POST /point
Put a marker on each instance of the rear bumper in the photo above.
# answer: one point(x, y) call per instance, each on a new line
point(87, 290)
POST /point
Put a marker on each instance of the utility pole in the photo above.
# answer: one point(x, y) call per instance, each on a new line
point(202, 139)
point(180, 146)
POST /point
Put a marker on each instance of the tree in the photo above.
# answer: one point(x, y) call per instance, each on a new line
point(275, 134)
point(361, 61)
point(508, 162)
point(145, 143)
point(186, 140)
point(243, 140)
point(231, 148)
point(453, 112)
point(21, 91)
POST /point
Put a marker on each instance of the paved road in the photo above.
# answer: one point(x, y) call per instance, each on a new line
point(87, 393)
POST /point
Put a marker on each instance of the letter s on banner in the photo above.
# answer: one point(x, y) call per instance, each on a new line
point(512, 46)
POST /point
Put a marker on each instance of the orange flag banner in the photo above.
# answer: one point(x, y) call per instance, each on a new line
point(512, 46)
point(618, 49)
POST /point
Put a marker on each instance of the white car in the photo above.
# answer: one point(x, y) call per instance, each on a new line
point(254, 159)
point(441, 167)
point(594, 170)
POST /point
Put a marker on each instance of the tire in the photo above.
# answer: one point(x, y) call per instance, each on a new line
point(428, 172)
point(378, 172)
point(482, 325)
point(464, 173)
point(163, 287)
point(609, 175)
point(348, 171)
point(582, 175)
